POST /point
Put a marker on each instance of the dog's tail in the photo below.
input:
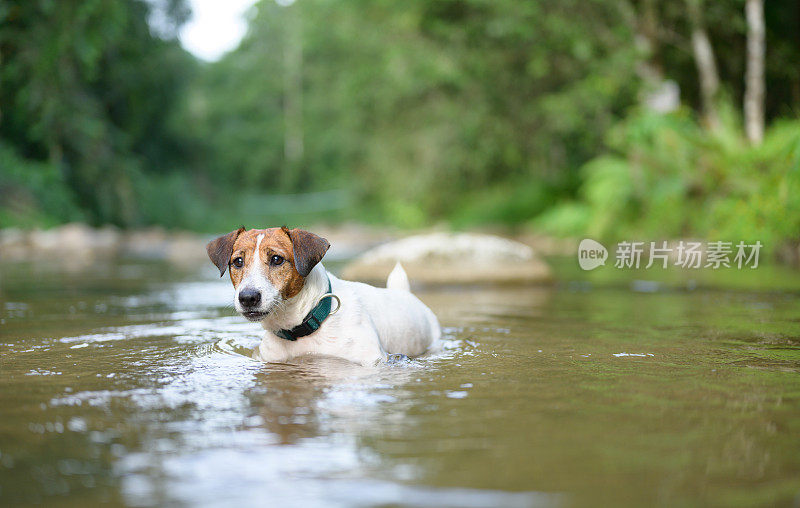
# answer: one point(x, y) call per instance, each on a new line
point(398, 279)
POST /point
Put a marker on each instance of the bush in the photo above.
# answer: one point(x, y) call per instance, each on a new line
point(33, 193)
point(665, 177)
point(510, 203)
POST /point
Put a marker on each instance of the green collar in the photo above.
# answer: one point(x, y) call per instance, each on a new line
point(313, 319)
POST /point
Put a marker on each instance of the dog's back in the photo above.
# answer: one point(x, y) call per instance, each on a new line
point(404, 324)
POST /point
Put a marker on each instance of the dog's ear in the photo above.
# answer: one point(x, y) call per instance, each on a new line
point(220, 249)
point(308, 249)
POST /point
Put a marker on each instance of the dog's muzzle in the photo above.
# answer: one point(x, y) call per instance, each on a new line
point(250, 301)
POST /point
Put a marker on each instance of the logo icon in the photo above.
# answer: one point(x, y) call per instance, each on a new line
point(591, 254)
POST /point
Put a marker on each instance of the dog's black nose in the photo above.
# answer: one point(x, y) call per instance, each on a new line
point(249, 297)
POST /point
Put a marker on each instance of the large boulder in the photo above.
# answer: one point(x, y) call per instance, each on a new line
point(159, 244)
point(72, 241)
point(451, 258)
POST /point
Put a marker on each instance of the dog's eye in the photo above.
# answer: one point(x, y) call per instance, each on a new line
point(238, 262)
point(275, 260)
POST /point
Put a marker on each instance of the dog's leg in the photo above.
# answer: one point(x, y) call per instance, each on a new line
point(364, 348)
point(271, 351)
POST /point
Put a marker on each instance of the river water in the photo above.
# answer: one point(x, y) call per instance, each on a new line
point(130, 383)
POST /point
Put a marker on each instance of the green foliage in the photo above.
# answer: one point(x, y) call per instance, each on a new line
point(509, 203)
point(33, 193)
point(88, 89)
point(416, 104)
point(666, 177)
point(475, 112)
point(172, 200)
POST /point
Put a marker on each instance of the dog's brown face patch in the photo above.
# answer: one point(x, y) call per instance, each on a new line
point(275, 242)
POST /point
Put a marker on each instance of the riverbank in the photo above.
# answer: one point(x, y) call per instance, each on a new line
point(76, 241)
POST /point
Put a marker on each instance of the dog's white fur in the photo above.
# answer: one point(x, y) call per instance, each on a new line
point(371, 324)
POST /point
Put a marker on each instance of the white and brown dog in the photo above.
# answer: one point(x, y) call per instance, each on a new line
point(280, 282)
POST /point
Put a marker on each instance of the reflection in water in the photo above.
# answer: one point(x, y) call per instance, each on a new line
point(134, 386)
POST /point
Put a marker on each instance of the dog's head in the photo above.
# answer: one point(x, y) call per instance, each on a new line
point(267, 266)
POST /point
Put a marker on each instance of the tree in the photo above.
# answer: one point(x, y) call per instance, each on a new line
point(754, 78)
point(705, 61)
point(293, 93)
point(88, 88)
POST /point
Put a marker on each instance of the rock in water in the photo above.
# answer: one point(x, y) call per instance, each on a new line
point(451, 258)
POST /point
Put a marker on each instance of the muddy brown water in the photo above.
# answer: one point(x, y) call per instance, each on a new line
point(129, 383)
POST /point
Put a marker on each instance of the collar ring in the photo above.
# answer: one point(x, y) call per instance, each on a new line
point(338, 302)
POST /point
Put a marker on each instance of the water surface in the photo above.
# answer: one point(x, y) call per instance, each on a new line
point(131, 384)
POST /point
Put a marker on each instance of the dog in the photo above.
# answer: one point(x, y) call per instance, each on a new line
point(279, 281)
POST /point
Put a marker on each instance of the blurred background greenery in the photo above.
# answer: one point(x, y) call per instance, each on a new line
point(609, 118)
